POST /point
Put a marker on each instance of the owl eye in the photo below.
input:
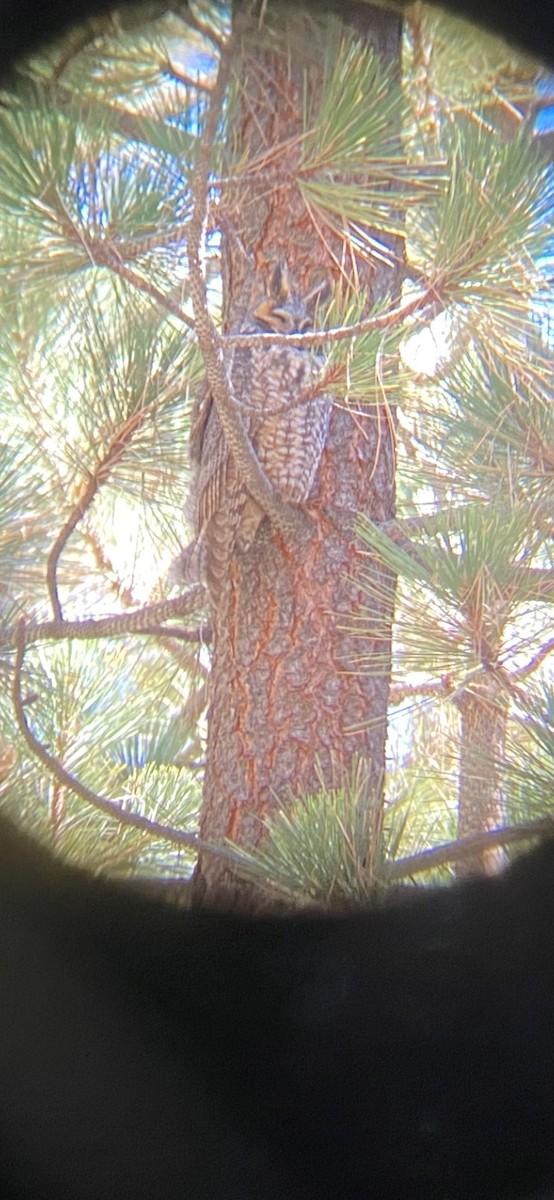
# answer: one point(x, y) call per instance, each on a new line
point(282, 321)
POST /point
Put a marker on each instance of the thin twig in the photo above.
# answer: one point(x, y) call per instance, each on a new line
point(119, 441)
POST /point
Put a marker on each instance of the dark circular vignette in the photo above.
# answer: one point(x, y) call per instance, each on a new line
point(528, 23)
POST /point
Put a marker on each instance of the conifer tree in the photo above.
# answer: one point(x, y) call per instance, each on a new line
point(155, 169)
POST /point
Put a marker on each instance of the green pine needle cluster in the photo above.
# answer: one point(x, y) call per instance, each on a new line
point(432, 171)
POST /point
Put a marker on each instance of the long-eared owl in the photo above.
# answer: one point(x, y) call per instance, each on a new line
point(285, 417)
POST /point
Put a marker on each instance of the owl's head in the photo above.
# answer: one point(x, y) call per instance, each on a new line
point(284, 311)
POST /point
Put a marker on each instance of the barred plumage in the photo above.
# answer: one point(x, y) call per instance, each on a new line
point(286, 420)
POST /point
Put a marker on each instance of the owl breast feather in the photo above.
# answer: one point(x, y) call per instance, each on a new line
point(287, 424)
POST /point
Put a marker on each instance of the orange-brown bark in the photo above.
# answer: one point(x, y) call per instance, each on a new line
point(290, 707)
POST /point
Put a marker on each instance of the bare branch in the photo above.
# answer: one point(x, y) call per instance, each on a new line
point(126, 248)
point(194, 19)
point(340, 333)
point(433, 687)
point(148, 620)
point(110, 255)
point(118, 443)
point(454, 852)
point(534, 662)
point(106, 256)
point(87, 496)
point(186, 78)
point(201, 636)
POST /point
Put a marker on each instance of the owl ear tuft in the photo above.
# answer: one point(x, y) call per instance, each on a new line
point(320, 288)
point(279, 283)
point(278, 295)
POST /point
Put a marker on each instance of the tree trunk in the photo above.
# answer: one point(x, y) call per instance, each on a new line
point(484, 712)
point(290, 708)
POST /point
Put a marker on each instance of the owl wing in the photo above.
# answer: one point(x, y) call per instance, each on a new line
point(219, 495)
point(212, 465)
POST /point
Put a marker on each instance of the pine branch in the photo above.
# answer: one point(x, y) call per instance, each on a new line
point(468, 847)
point(531, 583)
point(178, 837)
point(389, 320)
point(103, 255)
point(535, 662)
point(432, 687)
point(194, 19)
point(129, 249)
point(118, 443)
point(148, 620)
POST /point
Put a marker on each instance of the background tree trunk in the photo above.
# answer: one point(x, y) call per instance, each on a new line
point(484, 711)
point(290, 710)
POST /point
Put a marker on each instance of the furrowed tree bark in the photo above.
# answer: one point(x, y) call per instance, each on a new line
point(290, 709)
